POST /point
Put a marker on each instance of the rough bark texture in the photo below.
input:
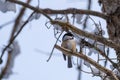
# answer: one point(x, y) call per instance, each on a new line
point(112, 9)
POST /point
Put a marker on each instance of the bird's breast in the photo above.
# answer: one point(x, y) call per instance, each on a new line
point(69, 44)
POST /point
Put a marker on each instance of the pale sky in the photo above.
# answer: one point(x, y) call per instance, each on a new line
point(31, 64)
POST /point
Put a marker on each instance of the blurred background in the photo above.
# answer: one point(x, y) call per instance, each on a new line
point(36, 43)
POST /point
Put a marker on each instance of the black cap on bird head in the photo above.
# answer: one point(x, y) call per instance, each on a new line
point(69, 34)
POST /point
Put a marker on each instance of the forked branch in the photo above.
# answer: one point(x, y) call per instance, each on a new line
point(91, 61)
point(65, 11)
point(76, 30)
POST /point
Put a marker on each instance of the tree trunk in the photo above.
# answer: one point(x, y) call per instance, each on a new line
point(112, 9)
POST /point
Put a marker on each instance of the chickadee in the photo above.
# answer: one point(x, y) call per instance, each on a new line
point(68, 42)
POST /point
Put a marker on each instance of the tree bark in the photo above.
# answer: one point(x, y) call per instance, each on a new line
point(112, 9)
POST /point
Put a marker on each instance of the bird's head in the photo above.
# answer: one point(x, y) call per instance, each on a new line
point(68, 36)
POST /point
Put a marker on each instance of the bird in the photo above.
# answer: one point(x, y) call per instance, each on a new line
point(68, 42)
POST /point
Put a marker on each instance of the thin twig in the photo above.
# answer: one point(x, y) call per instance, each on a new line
point(80, 70)
point(86, 18)
point(98, 58)
point(48, 27)
point(54, 47)
point(55, 33)
point(110, 58)
point(38, 3)
point(14, 36)
point(97, 49)
point(105, 63)
point(4, 70)
point(14, 30)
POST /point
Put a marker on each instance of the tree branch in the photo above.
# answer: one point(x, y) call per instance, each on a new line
point(3, 72)
point(65, 11)
point(96, 48)
point(100, 39)
point(13, 36)
point(91, 61)
point(17, 21)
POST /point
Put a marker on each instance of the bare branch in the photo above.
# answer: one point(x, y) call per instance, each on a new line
point(100, 39)
point(100, 52)
point(91, 61)
point(31, 7)
point(13, 30)
point(86, 18)
point(6, 66)
point(13, 36)
point(65, 11)
point(54, 46)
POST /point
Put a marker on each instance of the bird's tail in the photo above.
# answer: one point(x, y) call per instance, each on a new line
point(69, 62)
